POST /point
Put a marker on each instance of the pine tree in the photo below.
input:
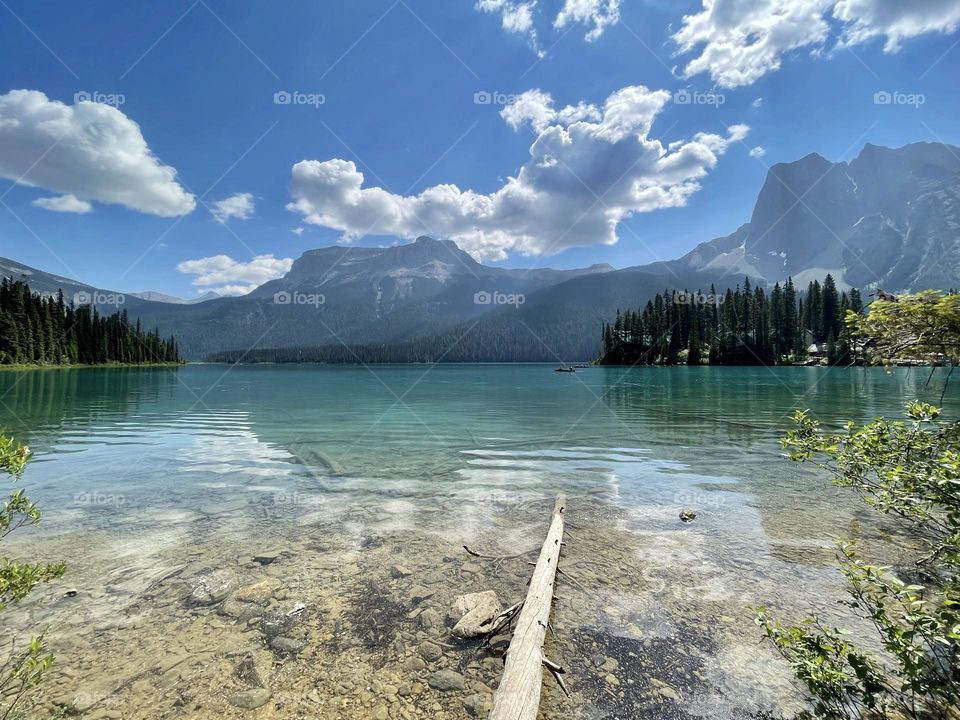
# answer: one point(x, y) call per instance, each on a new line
point(746, 326)
point(44, 330)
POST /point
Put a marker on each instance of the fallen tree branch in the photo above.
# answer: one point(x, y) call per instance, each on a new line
point(557, 673)
point(499, 558)
point(518, 695)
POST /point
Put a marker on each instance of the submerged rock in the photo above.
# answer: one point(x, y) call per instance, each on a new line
point(688, 515)
point(285, 645)
point(259, 592)
point(447, 680)
point(419, 593)
point(212, 587)
point(233, 609)
point(430, 619)
point(478, 704)
point(430, 652)
point(414, 665)
point(250, 699)
point(399, 571)
point(476, 611)
point(279, 620)
point(254, 669)
point(665, 691)
point(267, 556)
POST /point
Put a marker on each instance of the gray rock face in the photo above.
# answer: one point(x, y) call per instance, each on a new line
point(250, 699)
point(476, 612)
point(890, 216)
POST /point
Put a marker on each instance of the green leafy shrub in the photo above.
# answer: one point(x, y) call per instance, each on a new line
point(22, 668)
point(910, 471)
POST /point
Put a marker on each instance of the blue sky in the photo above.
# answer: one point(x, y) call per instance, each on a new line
point(597, 147)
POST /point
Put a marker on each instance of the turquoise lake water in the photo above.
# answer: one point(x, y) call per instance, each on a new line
point(159, 437)
point(149, 473)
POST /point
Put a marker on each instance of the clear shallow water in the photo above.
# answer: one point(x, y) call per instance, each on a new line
point(150, 474)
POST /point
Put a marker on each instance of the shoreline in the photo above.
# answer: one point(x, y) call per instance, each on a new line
point(82, 366)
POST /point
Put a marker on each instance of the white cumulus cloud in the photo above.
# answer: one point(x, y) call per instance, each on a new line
point(64, 204)
point(589, 169)
point(598, 15)
point(89, 150)
point(536, 107)
point(758, 152)
point(896, 20)
point(737, 42)
point(227, 276)
point(238, 205)
point(515, 16)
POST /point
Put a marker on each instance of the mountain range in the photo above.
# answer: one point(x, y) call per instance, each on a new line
point(890, 218)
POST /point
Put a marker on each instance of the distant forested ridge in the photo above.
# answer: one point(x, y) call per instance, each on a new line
point(744, 326)
point(45, 330)
point(473, 343)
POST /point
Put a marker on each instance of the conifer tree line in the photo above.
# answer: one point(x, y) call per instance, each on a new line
point(745, 326)
point(46, 330)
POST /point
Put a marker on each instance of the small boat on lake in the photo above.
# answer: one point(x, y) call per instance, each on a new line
point(563, 369)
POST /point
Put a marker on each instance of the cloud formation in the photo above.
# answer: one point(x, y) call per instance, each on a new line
point(64, 204)
point(517, 16)
point(227, 276)
point(589, 169)
point(737, 42)
point(598, 15)
point(536, 108)
point(88, 150)
point(238, 205)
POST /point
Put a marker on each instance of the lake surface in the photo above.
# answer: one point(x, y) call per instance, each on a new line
point(196, 506)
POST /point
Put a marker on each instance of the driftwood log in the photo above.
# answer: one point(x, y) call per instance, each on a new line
point(518, 695)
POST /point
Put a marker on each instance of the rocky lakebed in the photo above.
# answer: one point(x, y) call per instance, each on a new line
point(352, 614)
